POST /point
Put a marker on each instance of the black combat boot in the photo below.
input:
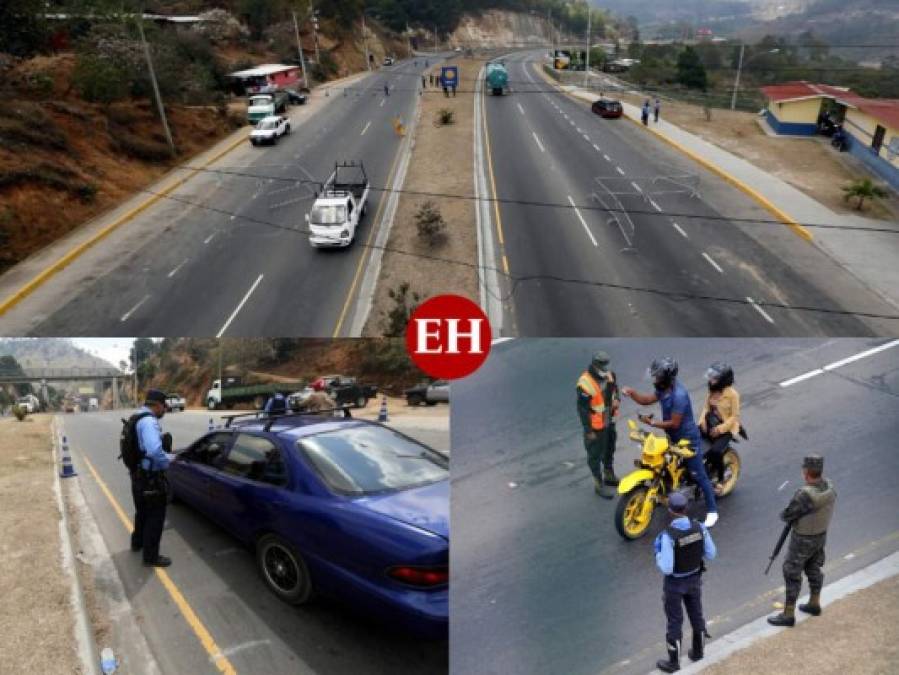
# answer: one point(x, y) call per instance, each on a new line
point(672, 665)
point(609, 477)
point(785, 618)
point(813, 606)
point(697, 651)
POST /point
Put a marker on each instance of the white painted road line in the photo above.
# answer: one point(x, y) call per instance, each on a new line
point(583, 222)
point(713, 263)
point(239, 306)
point(606, 157)
point(842, 362)
point(131, 311)
point(655, 206)
point(209, 238)
point(681, 230)
point(365, 129)
point(579, 130)
point(636, 187)
point(618, 169)
point(586, 138)
point(760, 310)
point(520, 108)
point(383, 101)
point(800, 378)
point(178, 267)
point(596, 147)
point(539, 144)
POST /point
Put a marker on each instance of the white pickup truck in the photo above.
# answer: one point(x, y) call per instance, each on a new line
point(175, 402)
point(269, 130)
point(339, 207)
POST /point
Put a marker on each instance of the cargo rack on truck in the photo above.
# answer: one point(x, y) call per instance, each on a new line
point(270, 418)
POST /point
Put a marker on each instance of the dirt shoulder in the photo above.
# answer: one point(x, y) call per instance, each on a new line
point(442, 162)
point(36, 618)
point(856, 634)
point(808, 164)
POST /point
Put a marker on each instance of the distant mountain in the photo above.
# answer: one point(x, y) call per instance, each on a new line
point(50, 353)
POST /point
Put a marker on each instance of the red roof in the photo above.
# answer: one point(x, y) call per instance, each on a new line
point(882, 109)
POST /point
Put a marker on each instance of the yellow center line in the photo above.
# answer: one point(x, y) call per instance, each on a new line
point(498, 219)
point(203, 635)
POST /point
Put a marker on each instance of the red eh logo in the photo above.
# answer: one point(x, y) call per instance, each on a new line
point(448, 337)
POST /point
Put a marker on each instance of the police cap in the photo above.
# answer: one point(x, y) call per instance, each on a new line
point(155, 396)
point(813, 462)
point(601, 359)
point(677, 502)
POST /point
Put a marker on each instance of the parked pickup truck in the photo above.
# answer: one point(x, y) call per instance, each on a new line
point(175, 402)
point(29, 403)
point(232, 391)
point(260, 106)
point(339, 207)
point(348, 391)
point(430, 393)
point(269, 130)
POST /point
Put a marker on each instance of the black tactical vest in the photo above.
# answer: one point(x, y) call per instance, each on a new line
point(688, 548)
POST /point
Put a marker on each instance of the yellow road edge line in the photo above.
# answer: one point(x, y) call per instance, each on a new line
point(499, 220)
point(203, 635)
point(32, 285)
point(371, 234)
point(778, 213)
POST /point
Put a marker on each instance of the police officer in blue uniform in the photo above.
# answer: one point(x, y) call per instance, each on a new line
point(276, 405)
point(681, 550)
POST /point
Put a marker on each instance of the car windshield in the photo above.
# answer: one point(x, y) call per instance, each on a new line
point(328, 215)
point(267, 124)
point(261, 100)
point(370, 459)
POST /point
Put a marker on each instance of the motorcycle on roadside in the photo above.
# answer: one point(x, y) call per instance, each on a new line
point(660, 471)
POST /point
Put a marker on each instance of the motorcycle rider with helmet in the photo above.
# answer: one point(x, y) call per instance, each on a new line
point(678, 422)
point(719, 420)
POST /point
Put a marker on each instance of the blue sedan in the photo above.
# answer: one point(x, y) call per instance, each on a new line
point(349, 509)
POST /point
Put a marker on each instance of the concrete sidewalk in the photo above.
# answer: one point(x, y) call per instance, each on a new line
point(856, 633)
point(869, 256)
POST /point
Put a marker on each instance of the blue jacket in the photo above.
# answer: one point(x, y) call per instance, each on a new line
point(664, 546)
point(149, 436)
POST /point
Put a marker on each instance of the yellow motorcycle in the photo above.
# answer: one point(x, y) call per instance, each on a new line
point(660, 471)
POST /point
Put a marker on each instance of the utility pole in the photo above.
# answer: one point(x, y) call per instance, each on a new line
point(314, 13)
point(589, 31)
point(733, 99)
point(165, 122)
point(365, 42)
point(296, 30)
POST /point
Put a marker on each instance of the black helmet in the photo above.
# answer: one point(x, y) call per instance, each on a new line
point(663, 371)
point(719, 375)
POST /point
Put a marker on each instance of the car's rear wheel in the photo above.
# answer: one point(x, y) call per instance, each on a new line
point(361, 402)
point(415, 399)
point(283, 570)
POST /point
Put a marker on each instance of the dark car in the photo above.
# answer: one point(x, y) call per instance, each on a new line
point(345, 508)
point(297, 97)
point(430, 393)
point(607, 108)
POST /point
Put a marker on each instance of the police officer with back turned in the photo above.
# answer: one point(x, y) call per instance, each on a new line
point(810, 512)
point(148, 483)
point(597, 407)
point(680, 551)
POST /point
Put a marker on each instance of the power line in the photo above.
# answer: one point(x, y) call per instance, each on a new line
point(551, 205)
point(516, 281)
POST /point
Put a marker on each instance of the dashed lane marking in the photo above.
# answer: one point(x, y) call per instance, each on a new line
point(177, 267)
point(619, 170)
point(680, 229)
point(760, 310)
point(712, 262)
point(841, 363)
point(209, 238)
point(127, 315)
point(520, 108)
point(365, 129)
point(539, 144)
point(583, 222)
point(239, 306)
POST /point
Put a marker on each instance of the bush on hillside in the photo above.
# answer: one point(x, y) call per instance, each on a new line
point(19, 412)
point(100, 80)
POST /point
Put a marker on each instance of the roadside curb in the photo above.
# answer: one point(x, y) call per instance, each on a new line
point(721, 648)
point(84, 638)
point(785, 218)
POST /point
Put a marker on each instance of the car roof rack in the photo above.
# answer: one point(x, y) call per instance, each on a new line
point(270, 419)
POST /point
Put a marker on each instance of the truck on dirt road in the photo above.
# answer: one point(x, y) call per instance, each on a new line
point(260, 106)
point(233, 391)
point(339, 206)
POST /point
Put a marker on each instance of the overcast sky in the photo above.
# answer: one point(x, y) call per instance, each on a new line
point(110, 349)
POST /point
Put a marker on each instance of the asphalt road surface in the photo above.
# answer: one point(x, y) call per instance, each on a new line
point(547, 147)
point(541, 581)
point(218, 578)
point(214, 271)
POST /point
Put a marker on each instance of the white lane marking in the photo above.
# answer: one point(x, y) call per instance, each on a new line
point(655, 206)
point(228, 651)
point(800, 378)
point(862, 355)
point(520, 108)
point(178, 267)
point(365, 129)
point(760, 310)
point(586, 138)
point(539, 144)
point(636, 187)
point(596, 147)
point(583, 222)
point(209, 238)
point(606, 157)
point(712, 262)
point(131, 311)
point(579, 130)
point(681, 230)
point(618, 169)
point(500, 340)
point(383, 101)
point(783, 485)
point(239, 306)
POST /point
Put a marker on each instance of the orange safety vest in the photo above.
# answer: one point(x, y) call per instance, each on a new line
point(597, 403)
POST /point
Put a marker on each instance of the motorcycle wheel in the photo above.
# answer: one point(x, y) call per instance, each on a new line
point(732, 466)
point(627, 512)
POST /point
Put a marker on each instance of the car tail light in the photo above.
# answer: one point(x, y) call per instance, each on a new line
point(422, 577)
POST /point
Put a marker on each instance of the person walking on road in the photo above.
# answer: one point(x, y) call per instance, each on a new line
point(644, 113)
point(424, 82)
point(149, 487)
point(719, 420)
point(598, 402)
point(386, 89)
point(677, 422)
point(657, 105)
point(681, 551)
point(810, 512)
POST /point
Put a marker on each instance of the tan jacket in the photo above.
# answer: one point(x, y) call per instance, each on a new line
point(728, 410)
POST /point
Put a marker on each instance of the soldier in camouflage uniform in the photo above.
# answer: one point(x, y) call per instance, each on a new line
point(598, 402)
point(810, 512)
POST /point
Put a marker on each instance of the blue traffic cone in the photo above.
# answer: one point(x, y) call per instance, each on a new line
point(382, 414)
point(211, 425)
point(66, 470)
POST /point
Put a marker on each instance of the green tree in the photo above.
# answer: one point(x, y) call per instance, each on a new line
point(690, 71)
point(99, 80)
point(862, 189)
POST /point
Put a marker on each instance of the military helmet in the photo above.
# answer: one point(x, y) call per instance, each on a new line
point(813, 462)
point(600, 360)
point(663, 371)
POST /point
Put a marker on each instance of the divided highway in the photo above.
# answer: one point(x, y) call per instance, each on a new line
point(543, 583)
point(243, 266)
point(549, 148)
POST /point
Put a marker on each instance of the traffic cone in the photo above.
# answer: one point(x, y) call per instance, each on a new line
point(382, 414)
point(211, 425)
point(66, 470)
